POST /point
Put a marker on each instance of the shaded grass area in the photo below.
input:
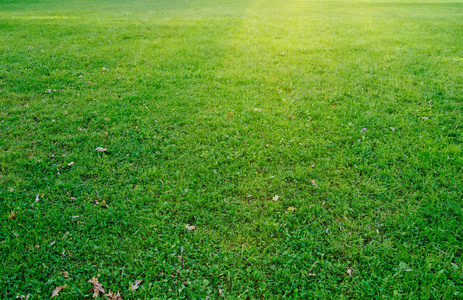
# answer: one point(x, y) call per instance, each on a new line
point(349, 111)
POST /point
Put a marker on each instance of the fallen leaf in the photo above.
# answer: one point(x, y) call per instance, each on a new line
point(65, 274)
point(52, 243)
point(425, 118)
point(134, 286)
point(349, 271)
point(190, 227)
point(258, 109)
point(12, 215)
point(363, 130)
point(291, 208)
point(101, 149)
point(15, 234)
point(71, 163)
point(96, 287)
point(22, 297)
point(113, 296)
point(221, 293)
point(230, 114)
point(104, 204)
point(11, 190)
point(49, 91)
point(36, 198)
point(275, 198)
point(58, 289)
point(314, 183)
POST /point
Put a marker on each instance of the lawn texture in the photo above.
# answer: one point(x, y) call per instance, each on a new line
point(315, 146)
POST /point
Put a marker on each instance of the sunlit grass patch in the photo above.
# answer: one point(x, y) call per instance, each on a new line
point(238, 149)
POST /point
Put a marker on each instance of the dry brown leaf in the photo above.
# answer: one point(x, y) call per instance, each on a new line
point(221, 293)
point(58, 289)
point(104, 204)
point(190, 227)
point(349, 271)
point(275, 198)
point(12, 215)
point(291, 208)
point(113, 296)
point(96, 287)
point(134, 286)
point(65, 274)
point(230, 114)
point(101, 149)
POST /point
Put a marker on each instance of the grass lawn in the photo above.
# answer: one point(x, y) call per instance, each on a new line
point(279, 149)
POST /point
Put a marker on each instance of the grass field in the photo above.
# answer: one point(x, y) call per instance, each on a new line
point(231, 149)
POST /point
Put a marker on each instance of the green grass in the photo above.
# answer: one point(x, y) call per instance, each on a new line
point(350, 111)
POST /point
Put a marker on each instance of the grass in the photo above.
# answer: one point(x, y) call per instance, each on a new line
point(349, 111)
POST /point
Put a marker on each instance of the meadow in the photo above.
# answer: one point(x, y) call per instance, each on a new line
point(239, 149)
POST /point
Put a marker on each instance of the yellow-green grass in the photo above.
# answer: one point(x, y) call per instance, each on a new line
point(350, 111)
